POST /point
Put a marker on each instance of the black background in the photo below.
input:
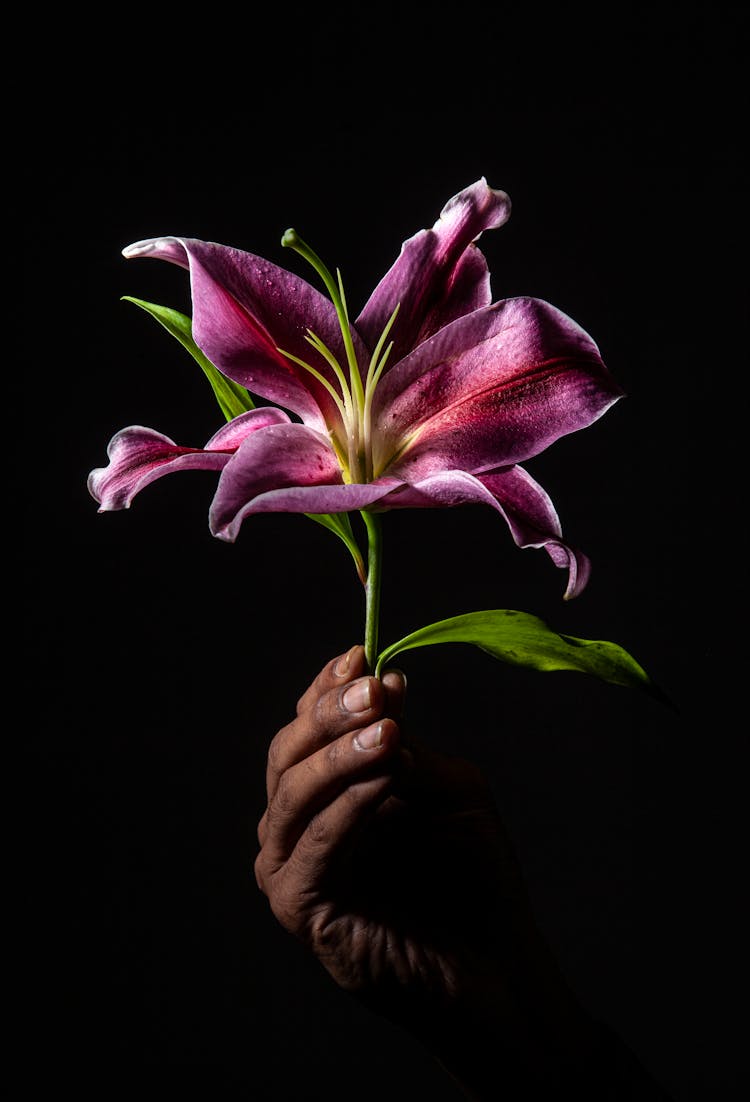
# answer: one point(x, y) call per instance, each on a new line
point(159, 662)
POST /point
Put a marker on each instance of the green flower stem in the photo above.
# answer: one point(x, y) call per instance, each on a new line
point(372, 589)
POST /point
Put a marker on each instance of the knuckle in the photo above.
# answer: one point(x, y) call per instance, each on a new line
point(317, 833)
point(322, 715)
point(320, 712)
point(259, 868)
point(285, 908)
point(281, 804)
point(313, 693)
point(274, 755)
point(333, 752)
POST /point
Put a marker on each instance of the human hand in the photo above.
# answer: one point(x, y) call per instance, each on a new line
point(377, 856)
point(392, 864)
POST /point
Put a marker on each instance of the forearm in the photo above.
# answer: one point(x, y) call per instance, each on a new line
point(518, 1033)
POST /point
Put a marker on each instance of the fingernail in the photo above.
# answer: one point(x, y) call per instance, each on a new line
point(357, 696)
point(370, 738)
point(344, 662)
point(396, 673)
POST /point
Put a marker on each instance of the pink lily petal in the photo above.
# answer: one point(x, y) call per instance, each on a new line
point(522, 502)
point(489, 390)
point(471, 389)
point(244, 309)
point(533, 522)
point(138, 456)
point(283, 456)
point(440, 274)
point(341, 498)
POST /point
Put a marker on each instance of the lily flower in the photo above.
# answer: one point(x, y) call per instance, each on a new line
point(432, 397)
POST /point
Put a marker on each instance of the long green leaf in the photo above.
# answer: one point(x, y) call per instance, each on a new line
point(525, 640)
point(233, 399)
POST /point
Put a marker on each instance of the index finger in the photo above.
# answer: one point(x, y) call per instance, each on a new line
point(326, 711)
point(344, 668)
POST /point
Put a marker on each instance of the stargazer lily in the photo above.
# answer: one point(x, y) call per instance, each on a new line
point(431, 398)
point(434, 396)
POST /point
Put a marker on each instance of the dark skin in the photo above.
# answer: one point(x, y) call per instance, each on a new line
point(391, 863)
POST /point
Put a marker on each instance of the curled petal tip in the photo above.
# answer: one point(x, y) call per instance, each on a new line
point(490, 205)
point(139, 248)
point(161, 248)
point(500, 195)
point(153, 246)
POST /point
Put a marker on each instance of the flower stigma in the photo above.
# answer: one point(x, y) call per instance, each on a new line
point(353, 399)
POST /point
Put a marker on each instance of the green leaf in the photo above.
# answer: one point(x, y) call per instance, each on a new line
point(525, 640)
point(340, 524)
point(233, 399)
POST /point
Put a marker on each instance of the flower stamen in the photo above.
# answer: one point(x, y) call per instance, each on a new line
point(372, 380)
point(321, 379)
point(355, 403)
point(314, 340)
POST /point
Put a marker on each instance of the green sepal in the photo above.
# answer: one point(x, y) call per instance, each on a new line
point(340, 525)
point(524, 640)
point(233, 399)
